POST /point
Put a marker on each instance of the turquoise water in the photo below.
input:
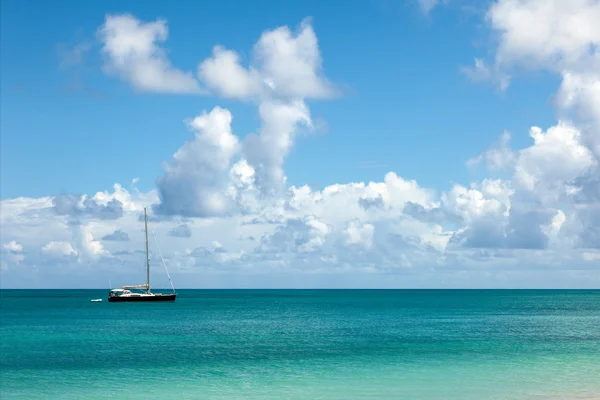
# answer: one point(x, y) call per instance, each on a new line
point(302, 344)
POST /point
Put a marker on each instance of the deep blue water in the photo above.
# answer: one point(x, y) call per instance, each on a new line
point(302, 344)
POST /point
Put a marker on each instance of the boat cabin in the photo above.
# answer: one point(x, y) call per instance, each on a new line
point(118, 292)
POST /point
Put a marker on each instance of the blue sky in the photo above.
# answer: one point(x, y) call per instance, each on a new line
point(407, 107)
point(409, 100)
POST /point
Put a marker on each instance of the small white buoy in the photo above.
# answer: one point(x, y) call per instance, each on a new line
point(96, 300)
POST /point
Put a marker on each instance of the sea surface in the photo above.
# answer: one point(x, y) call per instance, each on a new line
point(302, 344)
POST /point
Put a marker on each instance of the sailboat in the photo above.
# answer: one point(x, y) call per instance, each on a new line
point(143, 293)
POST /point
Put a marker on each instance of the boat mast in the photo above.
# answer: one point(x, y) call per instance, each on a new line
point(147, 257)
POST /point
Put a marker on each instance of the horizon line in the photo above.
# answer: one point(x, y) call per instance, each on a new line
point(287, 288)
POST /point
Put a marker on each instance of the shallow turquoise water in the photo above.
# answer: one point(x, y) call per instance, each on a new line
point(302, 344)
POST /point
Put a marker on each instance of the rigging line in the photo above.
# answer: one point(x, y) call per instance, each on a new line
point(163, 261)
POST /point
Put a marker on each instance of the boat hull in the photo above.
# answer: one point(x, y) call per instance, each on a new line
point(136, 299)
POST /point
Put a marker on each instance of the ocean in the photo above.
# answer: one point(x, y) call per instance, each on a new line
point(302, 344)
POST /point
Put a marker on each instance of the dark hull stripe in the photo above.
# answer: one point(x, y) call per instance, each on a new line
point(124, 299)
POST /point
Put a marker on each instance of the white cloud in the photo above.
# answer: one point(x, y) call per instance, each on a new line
point(359, 233)
point(579, 94)
point(194, 182)
point(343, 202)
point(561, 36)
point(557, 35)
point(525, 212)
point(119, 194)
point(84, 206)
point(557, 158)
point(499, 157)
point(223, 74)
point(59, 249)
point(11, 255)
point(13, 247)
point(10, 209)
point(319, 232)
point(230, 195)
point(303, 235)
point(591, 256)
point(309, 227)
point(83, 243)
point(291, 64)
point(553, 228)
point(285, 65)
point(267, 151)
point(550, 33)
point(472, 203)
point(560, 168)
point(132, 50)
point(285, 70)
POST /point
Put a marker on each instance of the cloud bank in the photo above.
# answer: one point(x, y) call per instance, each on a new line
point(225, 216)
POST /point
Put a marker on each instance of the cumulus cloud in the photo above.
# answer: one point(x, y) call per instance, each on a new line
point(86, 244)
point(542, 215)
point(499, 157)
point(557, 35)
point(359, 233)
point(121, 195)
point(307, 234)
point(194, 183)
point(560, 167)
point(12, 254)
point(579, 96)
point(223, 74)
point(284, 65)
point(59, 249)
point(267, 151)
point(556, 158)
point(84, 206)
point(339, 201)
point(214, 257)
point(285, 70)
point(132, 51)
point(560, 33)
point(13, 247)
point(522, 213)
point(591, 256)
point(328, 231)
point(482, 214)
point(561, 36)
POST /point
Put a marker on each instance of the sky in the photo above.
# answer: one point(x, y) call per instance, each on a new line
point(374, 144)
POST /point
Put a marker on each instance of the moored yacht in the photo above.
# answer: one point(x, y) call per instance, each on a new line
point(142, 292)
